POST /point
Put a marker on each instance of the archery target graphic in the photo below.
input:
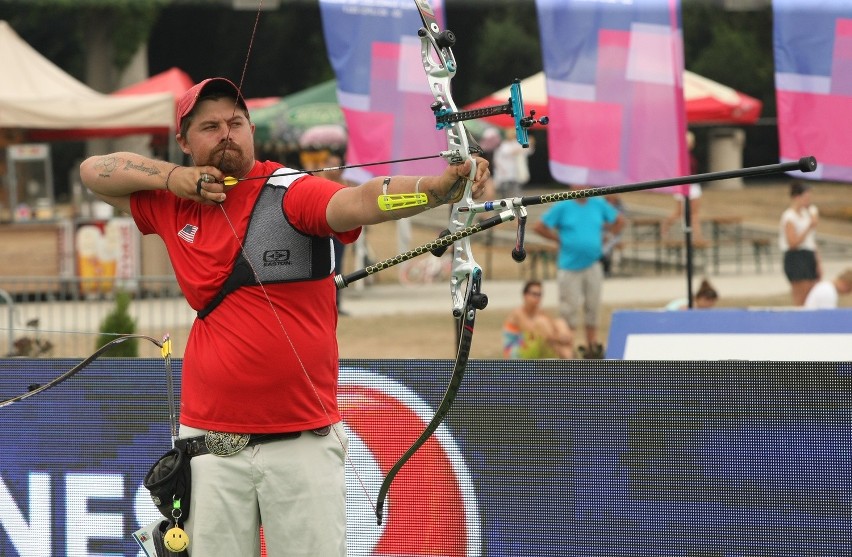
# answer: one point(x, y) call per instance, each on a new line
point(431, 507)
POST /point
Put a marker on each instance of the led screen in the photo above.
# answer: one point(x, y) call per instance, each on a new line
point(536, 458)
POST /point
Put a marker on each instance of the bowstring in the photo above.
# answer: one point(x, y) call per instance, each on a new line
point(59, 331)
point(347, 456)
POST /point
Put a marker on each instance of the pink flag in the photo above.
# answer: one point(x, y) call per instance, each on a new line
point(382, 87)
point(615, 90)
point(813, 84)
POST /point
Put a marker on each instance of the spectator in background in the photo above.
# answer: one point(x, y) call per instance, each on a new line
point(489, 141)
point(578, 226)
point(825, 293)
point(530, 332)
point(797, 241)
point(510, 165)
point(705, 298)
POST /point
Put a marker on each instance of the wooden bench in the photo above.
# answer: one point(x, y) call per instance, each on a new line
point(540, 262)
point(645, 232)
point(726, 230)
point(762, 247)
point(541, 256)
point(675, 251)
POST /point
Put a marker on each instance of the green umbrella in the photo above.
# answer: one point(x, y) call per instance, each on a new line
point(287, 119)
point(284, 121)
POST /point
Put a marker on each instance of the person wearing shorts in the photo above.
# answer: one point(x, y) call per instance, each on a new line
point(797, 241)
point(578, 226)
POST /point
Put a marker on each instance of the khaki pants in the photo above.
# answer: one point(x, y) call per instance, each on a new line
point(580, 290)
point(295, 487)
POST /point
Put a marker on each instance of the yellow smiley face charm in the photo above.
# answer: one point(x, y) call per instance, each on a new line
point(175, 539)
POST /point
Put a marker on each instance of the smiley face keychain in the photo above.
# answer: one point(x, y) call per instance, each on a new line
point(175, 539)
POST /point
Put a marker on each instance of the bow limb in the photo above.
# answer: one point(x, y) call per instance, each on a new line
point(82, 365)
point(466, 324)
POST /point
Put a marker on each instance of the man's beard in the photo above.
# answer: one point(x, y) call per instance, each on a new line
point(230, 159)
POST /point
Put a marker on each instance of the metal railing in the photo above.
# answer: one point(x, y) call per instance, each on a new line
point(53, 317)
point(10, 318)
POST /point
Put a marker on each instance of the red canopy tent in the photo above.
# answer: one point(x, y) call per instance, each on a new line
point(174, 81)
point(261, 102)
point(177, 82)
point(707, 102)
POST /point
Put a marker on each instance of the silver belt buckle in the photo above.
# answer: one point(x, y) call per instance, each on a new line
point(225, 444)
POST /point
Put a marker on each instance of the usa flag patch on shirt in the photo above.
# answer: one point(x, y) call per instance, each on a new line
point(188, 233)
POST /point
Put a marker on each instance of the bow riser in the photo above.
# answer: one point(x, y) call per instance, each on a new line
point(439, 74)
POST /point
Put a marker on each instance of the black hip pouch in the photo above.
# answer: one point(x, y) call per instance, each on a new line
point(170, 480)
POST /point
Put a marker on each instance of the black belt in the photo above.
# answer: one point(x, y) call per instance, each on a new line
point(228, 444)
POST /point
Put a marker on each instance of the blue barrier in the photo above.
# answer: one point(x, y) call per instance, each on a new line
point(732, 334)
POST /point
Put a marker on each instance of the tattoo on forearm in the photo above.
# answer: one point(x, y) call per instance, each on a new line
point(106, 166)
point(149, 170)
point(453, 195)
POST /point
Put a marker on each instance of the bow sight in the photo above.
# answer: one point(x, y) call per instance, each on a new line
point(514, 107)
point(445, 112)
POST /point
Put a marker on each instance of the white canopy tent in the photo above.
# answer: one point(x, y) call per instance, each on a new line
point(38, 95)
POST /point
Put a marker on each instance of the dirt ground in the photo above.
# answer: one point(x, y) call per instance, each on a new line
point(432, 335)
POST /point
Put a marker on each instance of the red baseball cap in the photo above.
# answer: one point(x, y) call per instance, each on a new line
point(187, 101)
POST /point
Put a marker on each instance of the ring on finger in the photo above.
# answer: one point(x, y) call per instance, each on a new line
point(198, 186)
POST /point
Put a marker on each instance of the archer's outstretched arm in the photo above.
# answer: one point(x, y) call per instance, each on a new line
point(358, 206)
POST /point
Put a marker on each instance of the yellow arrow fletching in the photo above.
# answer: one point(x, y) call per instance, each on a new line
point(398, 201)
point(167, 346)
point(230, 181)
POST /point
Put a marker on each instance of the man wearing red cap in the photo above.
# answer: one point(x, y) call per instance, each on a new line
point(260, 368)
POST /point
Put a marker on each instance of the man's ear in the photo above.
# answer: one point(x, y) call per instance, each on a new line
point(181, 141)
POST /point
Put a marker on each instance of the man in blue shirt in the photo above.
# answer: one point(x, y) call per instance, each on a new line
point(579, 226)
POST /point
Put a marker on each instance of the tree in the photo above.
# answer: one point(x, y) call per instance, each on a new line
point(494, 46)
point(734, 48)
point(287, 53)
point(119, 321)
point(117, 27)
